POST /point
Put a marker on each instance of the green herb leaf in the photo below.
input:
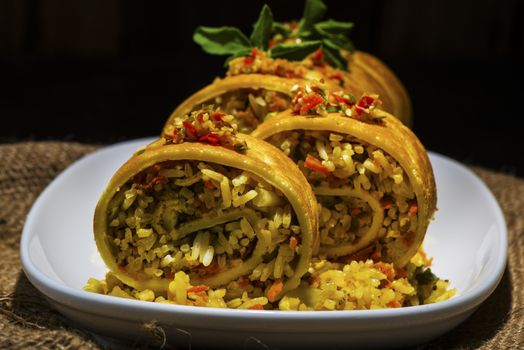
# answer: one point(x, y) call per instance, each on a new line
point(332, 52)
point(140, 151)
point(342, 42)
point(281, 29)
point(221, 41)
point(314, 11)
point(332, 27)
point(332, 109)
point(294, 52)
point(262, 29)
point(425, 277)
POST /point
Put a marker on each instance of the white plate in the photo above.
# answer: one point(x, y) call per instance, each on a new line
point(468, 241)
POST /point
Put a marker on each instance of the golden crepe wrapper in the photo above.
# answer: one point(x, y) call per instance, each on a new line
point(393, 138)
point(261, 159)
point(229, 84)
point(367, 74)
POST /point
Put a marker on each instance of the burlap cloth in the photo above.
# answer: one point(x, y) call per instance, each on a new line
point(28, 321)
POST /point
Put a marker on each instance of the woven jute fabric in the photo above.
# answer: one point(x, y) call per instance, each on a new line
point(28, 321)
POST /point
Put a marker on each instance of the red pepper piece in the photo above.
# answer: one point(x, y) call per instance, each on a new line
point(211, 138)
point(310, 102)
point(249, 60)
point(339, 100)
point(217, 116)
point(365, 101)
point(336, 76)
point(190, 129)
point(200, 118)
point(318, 58)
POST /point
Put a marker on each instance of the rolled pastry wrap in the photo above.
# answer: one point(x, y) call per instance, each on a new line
point(216, 212)
point(367, 73)
point(248, 97)
point(370, 173)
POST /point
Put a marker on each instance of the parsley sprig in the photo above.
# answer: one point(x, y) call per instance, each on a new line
point(231, 41)
point(330, 35)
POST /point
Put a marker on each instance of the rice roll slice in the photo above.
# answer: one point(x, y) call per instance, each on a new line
point(212, 203)
point(371, 175)
point(249, 98)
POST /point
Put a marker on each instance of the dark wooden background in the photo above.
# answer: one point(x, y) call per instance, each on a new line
point(109, 70)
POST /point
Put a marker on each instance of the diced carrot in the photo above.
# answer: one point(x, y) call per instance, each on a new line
point(256, 307)
point(413, 209)
point(293, 242)
point(274, 290)
point(386, 270)
point(387, 203)
point(314, 164)
point(394, 303)
point(197, 289)
point(355, 211)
